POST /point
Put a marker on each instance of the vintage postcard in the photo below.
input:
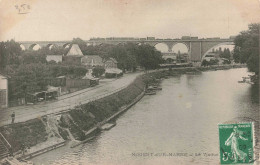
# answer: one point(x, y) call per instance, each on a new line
point(129, 82)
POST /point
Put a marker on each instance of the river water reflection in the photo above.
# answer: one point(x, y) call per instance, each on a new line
point(182, 118)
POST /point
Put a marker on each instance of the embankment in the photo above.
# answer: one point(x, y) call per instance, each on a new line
point(74, 124)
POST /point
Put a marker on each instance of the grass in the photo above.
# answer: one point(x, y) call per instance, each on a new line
point(29, 133)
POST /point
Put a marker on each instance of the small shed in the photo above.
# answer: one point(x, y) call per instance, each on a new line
point(49, 94)
point(113, 72)
point(56, 58)
point(93, 81)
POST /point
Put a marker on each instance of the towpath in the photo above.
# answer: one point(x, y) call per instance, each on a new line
point(65, 102)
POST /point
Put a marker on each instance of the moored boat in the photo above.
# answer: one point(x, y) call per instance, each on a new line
point(108, 126)
point(150, 93)
point(154, 87)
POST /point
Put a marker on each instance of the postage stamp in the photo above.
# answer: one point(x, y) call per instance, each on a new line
point(236, 143)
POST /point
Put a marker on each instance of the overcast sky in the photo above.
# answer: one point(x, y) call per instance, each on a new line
point(67, 19)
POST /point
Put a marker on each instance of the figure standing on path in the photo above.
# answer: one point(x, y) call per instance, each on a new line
point(13, 117)
point(23, 148)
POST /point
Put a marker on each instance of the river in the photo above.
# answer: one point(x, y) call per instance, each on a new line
point(180, 119)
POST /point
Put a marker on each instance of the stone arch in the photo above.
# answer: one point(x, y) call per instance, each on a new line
point(184, 43)
point(50, 46)
point(213, 46)
point(162, 47)
point(22, 47)
point(66, 45)
point(31, 47)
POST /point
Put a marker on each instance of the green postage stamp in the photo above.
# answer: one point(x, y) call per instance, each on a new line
point(236, 143)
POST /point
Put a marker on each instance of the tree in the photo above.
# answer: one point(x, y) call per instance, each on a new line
point(247, 47)
point(30, 78)
point(236, 55)
point(213, 61)
point(210, 62)
point(225, 54)
point(98, 71)
point(148, 57)
point(26, 78)
point(3, 55)
point(204, 63)
point(9, 53)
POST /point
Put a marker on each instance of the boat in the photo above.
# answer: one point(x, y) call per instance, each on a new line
point(157, 88)
point(154, 87)
point(150, 93)
point(150, 88)
point(108, 126)
point(249, 82)
point(246, 80)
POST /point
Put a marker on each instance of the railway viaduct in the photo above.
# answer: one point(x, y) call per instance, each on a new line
point(197, 48)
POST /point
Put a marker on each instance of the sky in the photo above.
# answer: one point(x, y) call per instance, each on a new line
point(53, 20)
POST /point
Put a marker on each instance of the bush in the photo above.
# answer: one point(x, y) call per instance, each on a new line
point(29, 133)
point(98, 71)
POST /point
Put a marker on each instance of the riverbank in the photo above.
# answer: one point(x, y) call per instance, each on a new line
point(181, 118)
point(76, 124)
point(82, 122)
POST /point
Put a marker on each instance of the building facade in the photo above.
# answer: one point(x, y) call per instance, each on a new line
point(74, 55)
point(110, 63)
point(56, 58)
point(3, 91)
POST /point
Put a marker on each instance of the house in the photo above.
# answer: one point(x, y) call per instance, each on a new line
point(74, 55)
point(113, 72)
point(92, 61)
point(56, 58)
point(75, 51)
point(93, 81)
point(3, 91)
point(170, 57)
point(210, 56)
point(110, 63)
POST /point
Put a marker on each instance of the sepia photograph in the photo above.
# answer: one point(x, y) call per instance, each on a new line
point(129, 82)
